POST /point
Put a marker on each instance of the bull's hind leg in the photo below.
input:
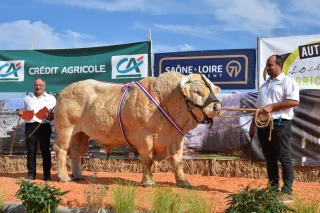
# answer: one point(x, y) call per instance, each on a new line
point(61, 157)
point(80, 143)
point(176, 162)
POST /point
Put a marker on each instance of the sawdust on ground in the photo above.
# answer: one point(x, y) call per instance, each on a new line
point(214, 189)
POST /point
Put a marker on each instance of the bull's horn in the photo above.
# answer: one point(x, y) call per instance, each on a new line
point(184, 80)
point(206, 79)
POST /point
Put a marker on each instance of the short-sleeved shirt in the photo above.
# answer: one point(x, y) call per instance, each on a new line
point(31, 102)
point(278, 89)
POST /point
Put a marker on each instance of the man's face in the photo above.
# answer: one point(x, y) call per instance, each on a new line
point(39, 87)
point(273, 69)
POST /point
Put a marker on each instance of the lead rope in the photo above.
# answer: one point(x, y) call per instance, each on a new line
point(259, 123)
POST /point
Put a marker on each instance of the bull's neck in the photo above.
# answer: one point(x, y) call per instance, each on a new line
point(175, 106)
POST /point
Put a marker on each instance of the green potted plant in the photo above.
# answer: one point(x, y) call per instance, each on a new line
point(256, 200)
point(39, 198)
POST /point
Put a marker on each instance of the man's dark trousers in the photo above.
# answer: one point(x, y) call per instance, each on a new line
point(278, 148)
point(41, 135)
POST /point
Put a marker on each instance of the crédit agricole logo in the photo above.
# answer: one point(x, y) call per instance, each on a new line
point(12, 70)
point(129, 66)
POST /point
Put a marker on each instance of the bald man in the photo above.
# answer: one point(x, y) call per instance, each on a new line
point(36, 101)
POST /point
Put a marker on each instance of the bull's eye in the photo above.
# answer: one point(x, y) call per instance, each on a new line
point(199, 92)
point(196, 92)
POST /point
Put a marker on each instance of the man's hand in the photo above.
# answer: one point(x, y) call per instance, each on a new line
point(264, 112)
point(251, 131)
point(50, 116)
point(20, 113)
point(266, 109)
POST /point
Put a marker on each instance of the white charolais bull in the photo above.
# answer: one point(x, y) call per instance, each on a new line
point(88, 109)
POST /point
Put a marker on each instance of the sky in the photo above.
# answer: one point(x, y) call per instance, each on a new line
point(175, 25)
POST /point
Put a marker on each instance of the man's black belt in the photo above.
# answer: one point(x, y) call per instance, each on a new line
point(277, 120)
point(37, 123)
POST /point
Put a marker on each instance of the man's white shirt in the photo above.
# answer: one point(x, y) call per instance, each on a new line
point(278, 89)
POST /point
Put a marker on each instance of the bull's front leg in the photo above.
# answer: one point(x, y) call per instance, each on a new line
point(61, 159)
point(147, 180)
point(176, 162)
point(145, 149)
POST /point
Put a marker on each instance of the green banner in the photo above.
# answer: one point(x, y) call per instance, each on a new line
point(60, 68)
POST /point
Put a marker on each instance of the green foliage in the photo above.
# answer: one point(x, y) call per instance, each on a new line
point(95, 194)
point(306, 206)
point(39, 198)
point(166, 201)
point(249, 200)
point(197, 203)
point(124, 198)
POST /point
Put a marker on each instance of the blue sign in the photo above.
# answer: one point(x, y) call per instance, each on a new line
point(228, 69)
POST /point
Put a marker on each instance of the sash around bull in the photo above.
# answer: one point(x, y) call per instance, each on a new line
point(88, 109)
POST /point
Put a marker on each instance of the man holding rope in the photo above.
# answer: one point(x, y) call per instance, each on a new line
point(38, 128)
point(277, 96)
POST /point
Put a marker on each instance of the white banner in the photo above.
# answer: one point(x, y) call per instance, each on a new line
point(301, 56)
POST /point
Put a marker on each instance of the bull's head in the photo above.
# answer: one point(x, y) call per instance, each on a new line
point(200, 92)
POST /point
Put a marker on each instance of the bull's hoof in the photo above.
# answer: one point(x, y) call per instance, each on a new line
point(78, 179)
point(184, 184)
point(65, 180)
point(148, 184)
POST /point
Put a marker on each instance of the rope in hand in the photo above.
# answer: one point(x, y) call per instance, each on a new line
point(262, 124)
point(257, 121)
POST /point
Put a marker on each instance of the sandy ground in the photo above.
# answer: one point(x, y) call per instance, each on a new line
point(212, 188)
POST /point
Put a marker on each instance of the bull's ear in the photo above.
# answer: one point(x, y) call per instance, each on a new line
point(216, 89)
point(185, 88)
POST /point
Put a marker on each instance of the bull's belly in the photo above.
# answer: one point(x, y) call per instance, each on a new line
point(105, 136)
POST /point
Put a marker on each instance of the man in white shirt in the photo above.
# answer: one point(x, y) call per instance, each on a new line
point(37, 130)
point(278, 95)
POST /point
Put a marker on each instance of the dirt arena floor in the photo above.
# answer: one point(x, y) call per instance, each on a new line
point(213, 188)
